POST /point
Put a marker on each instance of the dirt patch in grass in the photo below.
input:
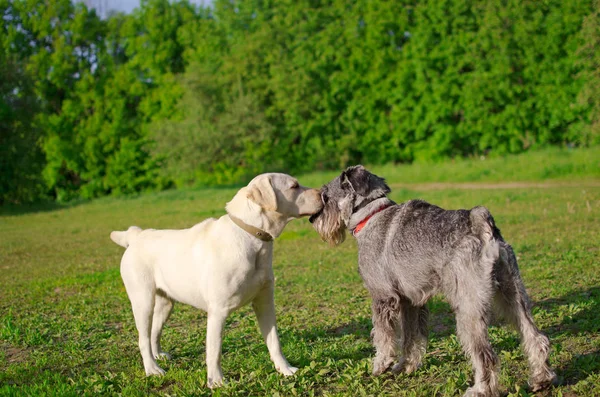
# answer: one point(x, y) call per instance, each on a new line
point(14, 355)
point(499, 185)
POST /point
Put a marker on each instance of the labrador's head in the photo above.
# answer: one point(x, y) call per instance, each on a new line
point(282, 194)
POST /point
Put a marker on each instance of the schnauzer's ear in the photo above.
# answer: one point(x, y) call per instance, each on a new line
point(364, 183)
point(356, 178)
point(262, 193)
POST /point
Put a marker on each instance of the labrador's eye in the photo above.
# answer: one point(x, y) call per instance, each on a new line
point(295, 186)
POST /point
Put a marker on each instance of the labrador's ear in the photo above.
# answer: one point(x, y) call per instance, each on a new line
point(262, 193)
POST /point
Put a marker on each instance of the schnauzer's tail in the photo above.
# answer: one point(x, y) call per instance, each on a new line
point(483, 225)
point(124, 238)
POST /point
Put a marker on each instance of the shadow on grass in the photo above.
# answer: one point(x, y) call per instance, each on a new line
point(25, 209)
point(442, 325)
point(166, 194)
point(582, 366)
point(587, 320)
point(584, 322)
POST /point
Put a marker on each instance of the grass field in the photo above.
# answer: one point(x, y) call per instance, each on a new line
point(66, 326)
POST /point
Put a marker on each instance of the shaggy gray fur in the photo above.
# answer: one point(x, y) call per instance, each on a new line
point(408, 252)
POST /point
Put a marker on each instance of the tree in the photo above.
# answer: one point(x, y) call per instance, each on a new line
point(21, 158)
point(589, 96)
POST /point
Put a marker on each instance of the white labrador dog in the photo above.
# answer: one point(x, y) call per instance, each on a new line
point(217, 265)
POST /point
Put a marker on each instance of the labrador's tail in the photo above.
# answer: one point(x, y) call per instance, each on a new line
point(124, 238)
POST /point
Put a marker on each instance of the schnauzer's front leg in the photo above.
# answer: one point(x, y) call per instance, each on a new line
point(385, 340)
point(264, 307)
point(412, 331)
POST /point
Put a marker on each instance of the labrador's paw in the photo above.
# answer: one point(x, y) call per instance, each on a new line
point(162, 356)
point(154, 369)
point(287, 370)
point(214, 382)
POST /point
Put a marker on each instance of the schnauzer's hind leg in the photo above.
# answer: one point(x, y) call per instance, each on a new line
point(385, 323)
point(513, 304)
point(472, 330)
point(412, 331)
point(470, 295)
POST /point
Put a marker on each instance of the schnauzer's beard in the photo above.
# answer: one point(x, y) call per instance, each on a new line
point(330, 223)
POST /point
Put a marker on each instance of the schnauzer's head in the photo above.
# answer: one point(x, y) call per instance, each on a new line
point(352, 190)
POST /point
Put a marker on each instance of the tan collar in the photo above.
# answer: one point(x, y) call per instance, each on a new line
point(256, 232)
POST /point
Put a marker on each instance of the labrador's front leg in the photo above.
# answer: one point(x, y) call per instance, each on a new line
point(214, 339)
point(264, 307)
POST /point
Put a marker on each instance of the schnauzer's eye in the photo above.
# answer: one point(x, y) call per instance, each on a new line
point(324, 198)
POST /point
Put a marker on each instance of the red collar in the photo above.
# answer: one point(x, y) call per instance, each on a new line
point(362, 223)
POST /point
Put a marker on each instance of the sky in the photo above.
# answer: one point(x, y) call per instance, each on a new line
point(103, 6)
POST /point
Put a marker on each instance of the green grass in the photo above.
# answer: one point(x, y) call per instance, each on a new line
point(66, 326)
point(553, 163)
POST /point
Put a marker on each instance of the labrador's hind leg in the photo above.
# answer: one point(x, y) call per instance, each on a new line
point(141, 291)
point(163, 306)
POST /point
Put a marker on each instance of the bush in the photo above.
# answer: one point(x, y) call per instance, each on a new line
point(178, 94)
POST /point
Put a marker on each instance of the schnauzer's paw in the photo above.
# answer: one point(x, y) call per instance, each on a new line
point(154, 369)
point(472, 392)
point(287, 370)
point(381, 364)
point(406, 366)
point(479, 391)
point(543, 381)
point(409, 368)
point(399, 366)
point(162, 356)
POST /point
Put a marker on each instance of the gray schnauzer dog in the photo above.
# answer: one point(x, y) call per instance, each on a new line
point(411, 251)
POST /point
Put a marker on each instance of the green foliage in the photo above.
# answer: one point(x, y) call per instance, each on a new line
point(21, 158)
point(589, 59)
point(211, 145)
point(381, 82)
point(178, 94)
